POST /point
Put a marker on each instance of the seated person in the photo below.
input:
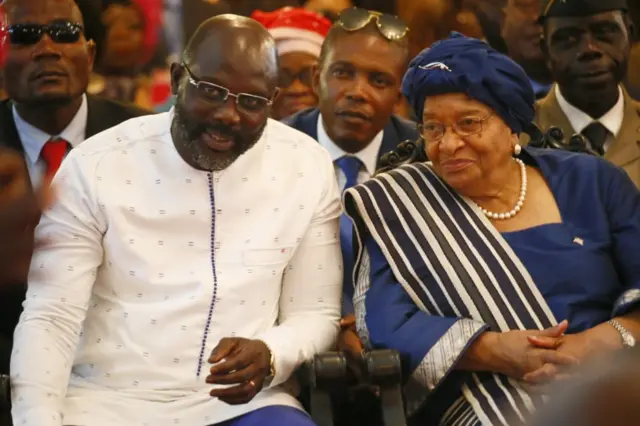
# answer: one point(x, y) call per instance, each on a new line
point(474, 265)
point(358, 80)
point(189, 256)
point(299, 35)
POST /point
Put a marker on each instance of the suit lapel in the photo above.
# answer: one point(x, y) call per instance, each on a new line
point(8, 132)
point(549, 114)
point(309, 123)
point(95, 117)
point(626, 148)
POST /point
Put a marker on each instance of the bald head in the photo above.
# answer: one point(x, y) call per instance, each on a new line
point(231, 42)
point(21, 10)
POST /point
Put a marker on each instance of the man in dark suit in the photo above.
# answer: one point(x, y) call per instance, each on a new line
point(357, 80)
point(47, 70)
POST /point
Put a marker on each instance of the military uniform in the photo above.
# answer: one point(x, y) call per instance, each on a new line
point(623, 148)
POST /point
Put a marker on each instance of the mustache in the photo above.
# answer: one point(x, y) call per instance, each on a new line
point(196, 129)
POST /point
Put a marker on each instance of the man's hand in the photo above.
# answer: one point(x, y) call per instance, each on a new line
point(242, 362)
point(20, 210)
point(349, 341)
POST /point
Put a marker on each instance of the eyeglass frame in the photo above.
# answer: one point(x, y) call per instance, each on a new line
point(453, 127)
point(196, 82)
point(373, 14)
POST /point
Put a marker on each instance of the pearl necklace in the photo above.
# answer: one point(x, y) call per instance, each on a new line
point(518, 207)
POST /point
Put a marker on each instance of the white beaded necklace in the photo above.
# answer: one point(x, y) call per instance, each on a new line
point(518, 207)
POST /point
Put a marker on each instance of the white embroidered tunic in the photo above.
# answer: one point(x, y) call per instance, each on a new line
point(149, 263)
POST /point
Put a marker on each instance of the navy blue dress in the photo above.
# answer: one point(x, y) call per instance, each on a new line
point(587, 267)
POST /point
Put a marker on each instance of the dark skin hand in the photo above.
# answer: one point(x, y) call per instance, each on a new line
point(596, 342)
point(349, 341)
point(20, 210)
point(242, 362)
point(512, 354)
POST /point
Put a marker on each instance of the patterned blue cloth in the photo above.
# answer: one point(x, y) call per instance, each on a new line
point(462, 64)
point(587, 267)
point(350, 166)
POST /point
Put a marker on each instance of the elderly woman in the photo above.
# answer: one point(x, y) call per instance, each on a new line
point(473, 266)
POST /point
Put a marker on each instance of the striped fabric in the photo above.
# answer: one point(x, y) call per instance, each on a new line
point(452, 262)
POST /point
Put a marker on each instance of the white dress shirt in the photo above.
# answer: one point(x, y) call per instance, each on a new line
point(34, 139)
point(368, 156)
point(579, 119)
point(149, 263)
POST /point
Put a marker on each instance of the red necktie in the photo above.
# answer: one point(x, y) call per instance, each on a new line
point(52, 153)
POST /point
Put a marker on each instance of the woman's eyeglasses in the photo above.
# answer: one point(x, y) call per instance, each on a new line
point(433, 131)
point(59, 32)
point(218, 95)
point(287, 77)
point(355, 18)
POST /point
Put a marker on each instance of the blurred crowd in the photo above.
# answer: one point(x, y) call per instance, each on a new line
point(136, 40)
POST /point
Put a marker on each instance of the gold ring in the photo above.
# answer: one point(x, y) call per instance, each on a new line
point(252, 383)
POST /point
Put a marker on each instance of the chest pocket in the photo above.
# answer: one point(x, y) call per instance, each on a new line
point(267, 257)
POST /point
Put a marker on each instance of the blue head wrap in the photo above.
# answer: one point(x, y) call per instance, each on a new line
point(461, 64)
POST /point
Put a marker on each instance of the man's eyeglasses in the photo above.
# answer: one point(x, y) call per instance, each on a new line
point(218, 95)
point(355, 18)
point(433, 131)
point(59, 32)
point(287, 77)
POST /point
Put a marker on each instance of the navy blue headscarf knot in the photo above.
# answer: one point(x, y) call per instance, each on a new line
point(461, 64)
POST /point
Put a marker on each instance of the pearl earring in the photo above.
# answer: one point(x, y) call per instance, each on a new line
point(517, 149)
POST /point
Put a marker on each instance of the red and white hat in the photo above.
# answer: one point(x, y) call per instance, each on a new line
point(295, 29)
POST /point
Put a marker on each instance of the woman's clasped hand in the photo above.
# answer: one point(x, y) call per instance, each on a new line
point(535, 356)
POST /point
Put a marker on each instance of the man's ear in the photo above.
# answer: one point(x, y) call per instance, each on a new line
point(315, 79)
point(543, 45)
point(177, 72)
point(502, 19)
point(92, 52)
point(633, 31)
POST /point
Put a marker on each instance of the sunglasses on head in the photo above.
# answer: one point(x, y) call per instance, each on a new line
point(286, 77)
point(355, 18)
point(59, 32)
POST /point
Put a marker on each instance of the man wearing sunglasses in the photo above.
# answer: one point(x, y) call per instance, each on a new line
point(47, 69)
point(194, 258)
point(362, 63)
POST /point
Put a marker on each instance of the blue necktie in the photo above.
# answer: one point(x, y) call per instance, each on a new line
point(350, 166)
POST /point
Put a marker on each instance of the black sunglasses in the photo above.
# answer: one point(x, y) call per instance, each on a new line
point(286, 77)
point(59, 32)
point(390, 26)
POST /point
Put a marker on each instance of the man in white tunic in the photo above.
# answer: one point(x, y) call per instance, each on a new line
point(192, 261)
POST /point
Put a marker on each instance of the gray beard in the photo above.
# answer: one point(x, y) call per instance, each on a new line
point(199, 155)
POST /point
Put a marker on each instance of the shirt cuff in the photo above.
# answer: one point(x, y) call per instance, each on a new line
point(38, 416)
point(440, 361)
point(279, 348)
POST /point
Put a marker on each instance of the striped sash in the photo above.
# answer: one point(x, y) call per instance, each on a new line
point(452, 262)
